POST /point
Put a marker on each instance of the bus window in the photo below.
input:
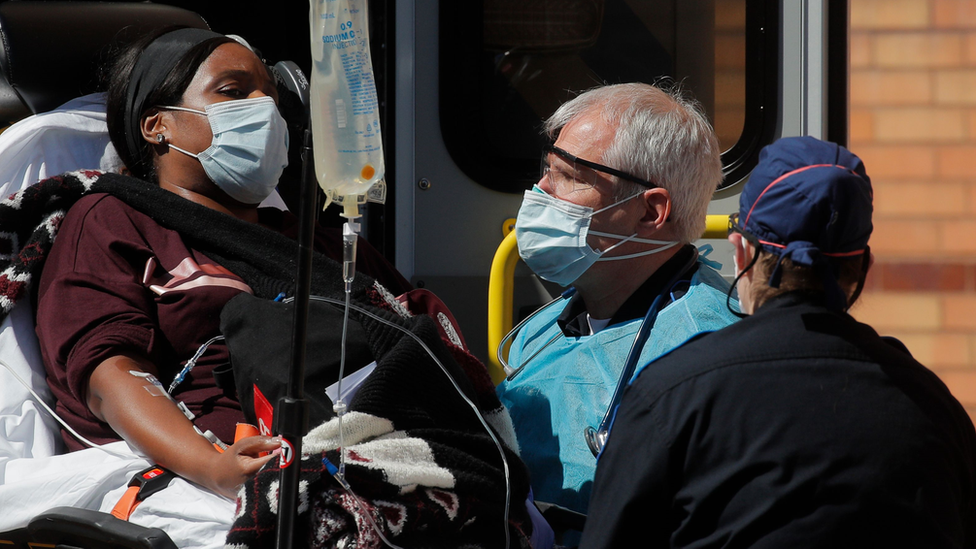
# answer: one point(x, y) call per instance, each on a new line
point(506, 65)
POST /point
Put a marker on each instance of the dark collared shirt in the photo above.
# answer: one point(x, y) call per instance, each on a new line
point(573, 319)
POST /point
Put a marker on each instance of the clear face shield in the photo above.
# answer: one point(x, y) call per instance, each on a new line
point(568, 173)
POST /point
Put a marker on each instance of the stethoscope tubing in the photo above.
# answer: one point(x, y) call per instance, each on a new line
point(509, 371)
point(643, 333)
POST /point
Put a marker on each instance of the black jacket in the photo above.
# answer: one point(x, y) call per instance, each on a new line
point(797, 427)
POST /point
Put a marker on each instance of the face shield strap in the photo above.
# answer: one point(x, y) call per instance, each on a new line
point(735, 283)
point(865, 263)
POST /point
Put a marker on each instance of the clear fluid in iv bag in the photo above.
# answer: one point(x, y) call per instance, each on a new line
point(345, 111)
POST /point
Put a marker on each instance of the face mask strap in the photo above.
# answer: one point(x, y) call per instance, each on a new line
point(184, 109)
point(631, 238)
point(186, 152)
point(667, 245)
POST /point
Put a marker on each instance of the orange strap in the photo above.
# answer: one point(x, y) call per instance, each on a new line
point(127, 504)
point(142, 485)
point(130, 499)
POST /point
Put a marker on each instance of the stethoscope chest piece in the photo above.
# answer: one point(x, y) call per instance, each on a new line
point(596, 440)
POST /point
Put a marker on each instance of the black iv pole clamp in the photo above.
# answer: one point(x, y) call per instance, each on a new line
point(291, 415)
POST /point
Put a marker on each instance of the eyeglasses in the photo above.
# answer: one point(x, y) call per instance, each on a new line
point(734, 227)
point(565, 181)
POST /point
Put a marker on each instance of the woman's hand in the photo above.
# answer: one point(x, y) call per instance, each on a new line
point(151, 422)
point(241, 461)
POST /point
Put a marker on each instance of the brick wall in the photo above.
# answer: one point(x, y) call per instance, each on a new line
point(913, 122)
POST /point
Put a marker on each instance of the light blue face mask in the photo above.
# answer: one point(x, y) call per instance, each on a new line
point(551, 235)
point(249, 148)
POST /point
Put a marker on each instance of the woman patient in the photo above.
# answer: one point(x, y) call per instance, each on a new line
point(124, 301)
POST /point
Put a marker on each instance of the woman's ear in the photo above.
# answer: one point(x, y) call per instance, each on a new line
point(657, 210)
point(152, 126)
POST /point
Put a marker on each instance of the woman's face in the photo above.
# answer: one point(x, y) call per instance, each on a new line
point(231, 72)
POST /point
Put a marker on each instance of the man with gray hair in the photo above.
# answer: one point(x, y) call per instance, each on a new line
point(624, 192)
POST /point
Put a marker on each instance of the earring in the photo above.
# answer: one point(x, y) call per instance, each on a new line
point(159, 138)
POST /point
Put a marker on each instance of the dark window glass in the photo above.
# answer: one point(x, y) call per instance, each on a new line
point(506, 65)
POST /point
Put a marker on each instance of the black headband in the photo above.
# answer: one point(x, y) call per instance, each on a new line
point(153, 66)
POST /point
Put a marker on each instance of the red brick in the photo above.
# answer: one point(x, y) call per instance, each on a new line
point(862, 126)
point(955, 87)
point(889, 14)
point(957, 161)
point(895, 239)
point(920, 345)
point(860, 50)
point(959, 312)
point(905, 50)
point(875, 88)
point(940, 352)
point(954, 14)
point(920, 199)
point(920, 125)
point(962, 385)
point(922, 277)
point(887, 311)
point(951, 351)
point(959, 236)
point(898, 161)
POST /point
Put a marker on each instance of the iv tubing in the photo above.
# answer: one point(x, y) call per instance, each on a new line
point(67, 427)
point(340, 405)
point(349, 238)
point(472, 405)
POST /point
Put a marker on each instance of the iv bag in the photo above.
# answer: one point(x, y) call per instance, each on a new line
point(347, 143)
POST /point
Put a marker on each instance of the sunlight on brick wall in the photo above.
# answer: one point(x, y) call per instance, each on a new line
point(913, 122)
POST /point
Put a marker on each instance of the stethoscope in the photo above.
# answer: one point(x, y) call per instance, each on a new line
point(596, 438)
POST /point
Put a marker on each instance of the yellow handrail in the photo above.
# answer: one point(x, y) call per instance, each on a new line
point(716, 226)
point(501, 286)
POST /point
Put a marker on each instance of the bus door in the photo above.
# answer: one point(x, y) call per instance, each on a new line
point(473, 81)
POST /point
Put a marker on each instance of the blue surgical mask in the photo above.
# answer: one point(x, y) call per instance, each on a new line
point(551, 235)
point(249, 148)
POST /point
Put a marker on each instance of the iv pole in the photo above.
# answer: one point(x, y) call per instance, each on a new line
point(291, 417)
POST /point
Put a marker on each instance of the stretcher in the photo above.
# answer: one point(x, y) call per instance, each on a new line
point(50, 54)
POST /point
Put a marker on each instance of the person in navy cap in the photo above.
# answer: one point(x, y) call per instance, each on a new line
point(798, 426)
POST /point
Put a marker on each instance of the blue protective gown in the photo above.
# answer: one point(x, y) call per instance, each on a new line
point(568, 385)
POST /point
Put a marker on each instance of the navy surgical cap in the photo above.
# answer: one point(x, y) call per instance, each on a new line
point(809, 200)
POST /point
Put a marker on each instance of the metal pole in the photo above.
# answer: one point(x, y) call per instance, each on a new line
point(291, 416)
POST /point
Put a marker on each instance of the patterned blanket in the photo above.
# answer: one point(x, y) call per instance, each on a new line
point(420, 463)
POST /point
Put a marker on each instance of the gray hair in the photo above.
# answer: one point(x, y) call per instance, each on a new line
point(661, 136)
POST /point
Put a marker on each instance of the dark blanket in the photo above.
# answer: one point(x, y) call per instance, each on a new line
point(421, 462)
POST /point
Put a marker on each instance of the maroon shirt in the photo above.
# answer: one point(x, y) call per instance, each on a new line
point(116, 282)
